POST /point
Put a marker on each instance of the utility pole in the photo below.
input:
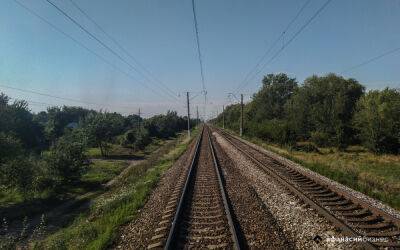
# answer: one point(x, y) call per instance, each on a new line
point(188, 113)
point(223, 117)
point(139, 121)
point(241, 115)
point(197, 115)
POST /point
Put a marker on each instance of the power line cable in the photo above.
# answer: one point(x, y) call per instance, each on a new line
point(74, 40)
point(371, 60)
point(62, 98)
point(32, 102)
point(199, 55)
point(79, 44)
point(289, 41)
point(267, 52)
point(99, 41)
point(198, 45)
point(118, 44)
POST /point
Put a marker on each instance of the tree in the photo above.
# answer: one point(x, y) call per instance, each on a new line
point(142, 140)
point(129, 138)
point(268, 103)
point(378, 120)
point(16, 119)
point(10, 147)
point(57, 120)
point(102, 128)
point(164, 126)
point(325, 105)
point(66, 157)
point(18, 173)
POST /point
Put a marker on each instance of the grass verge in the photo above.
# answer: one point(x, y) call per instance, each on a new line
point(97, 228)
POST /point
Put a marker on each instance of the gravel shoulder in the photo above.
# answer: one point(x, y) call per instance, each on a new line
point(137, 233)
point(256, 226)
point(300, 224)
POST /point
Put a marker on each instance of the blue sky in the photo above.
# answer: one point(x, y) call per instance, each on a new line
point(160, 35)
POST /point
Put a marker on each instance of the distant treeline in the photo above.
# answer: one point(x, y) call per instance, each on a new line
point(328, 111)
point(41, 153)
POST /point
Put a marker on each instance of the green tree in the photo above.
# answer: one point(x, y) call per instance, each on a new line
point(269, 102)
point(325, 105)
point(16, 119)
point(19, 173)
point(378, 120)
point(66, 158)
point(10, 147)
point(101, 129)
point(164, 126)
point(57, 119)
point(142, 140)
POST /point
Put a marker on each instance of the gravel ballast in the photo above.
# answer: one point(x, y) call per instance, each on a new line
point(300, 224)
point(256, 226)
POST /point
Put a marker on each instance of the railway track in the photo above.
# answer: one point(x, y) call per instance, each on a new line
point(197, 214)
point(370, 226)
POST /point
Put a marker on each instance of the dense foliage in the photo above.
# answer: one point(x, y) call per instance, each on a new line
point(47, 151)
point(325, 110)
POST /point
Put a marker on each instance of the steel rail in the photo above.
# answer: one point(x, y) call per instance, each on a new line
point(223, 194)
point(172, 231)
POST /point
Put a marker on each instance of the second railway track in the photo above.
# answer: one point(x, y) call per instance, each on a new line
point(353, 216)
point(198, 214)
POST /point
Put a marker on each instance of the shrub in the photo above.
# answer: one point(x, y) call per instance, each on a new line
point(306, 147)
point(66, 159)
point(378, 120)
point(320, 139)
point(19, 173)
point(10, 147)
point(276, 131)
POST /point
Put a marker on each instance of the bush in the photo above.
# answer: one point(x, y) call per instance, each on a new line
point(142, 140)
point(378, 120)
point(19, 173)
point(276, 131)
point(320, 139)
point(10, 147)
point(66, 159)
point(306, 147)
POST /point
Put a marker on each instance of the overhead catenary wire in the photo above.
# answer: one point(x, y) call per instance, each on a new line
point(61, 98)
point(118, 44)
point(47, 95)
point(99, 41)
point(115, 67)
point(198, 45)
point(30, 102)
point(270, 48)
point(370, 60)
point(74, 40)
point(199, 55)
point(289, 41)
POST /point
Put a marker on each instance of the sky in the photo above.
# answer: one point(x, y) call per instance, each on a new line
point(160, 35)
